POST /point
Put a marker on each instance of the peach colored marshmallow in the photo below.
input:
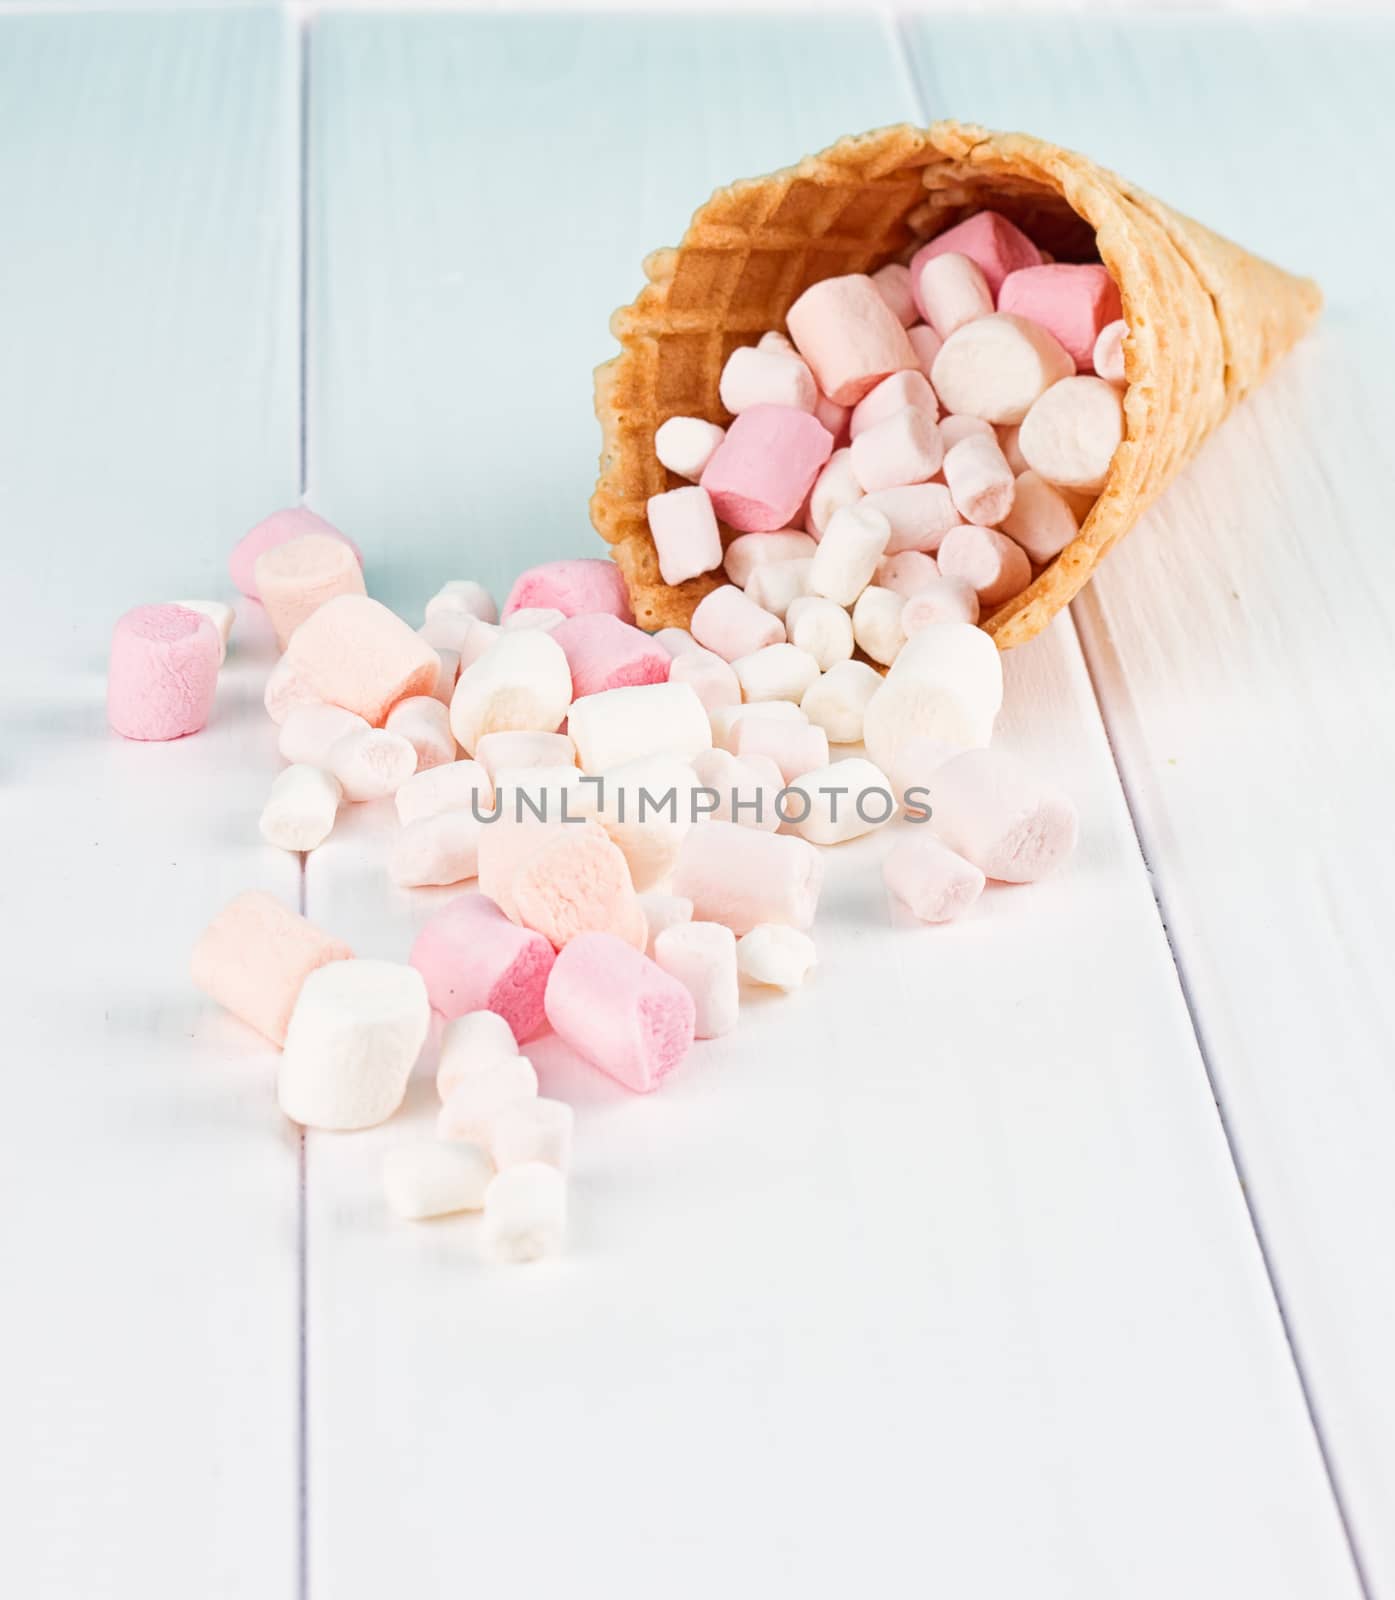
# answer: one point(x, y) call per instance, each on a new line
point(849, 336)
point(896, 393)
point(729, 623)
point(893, 284)
point(163, 672)
point(1041, 519)
point(582, 584)
point(756, 377)
point(474, 959)
point(990, 810)
point(979, 480)
point(926, 344)
point(686, 536)
point(278, 528)
point(1107, 357)
point(759, 475)
point(604, 653)
point(997, 568)
point(355, 653)
point(578, 882)
point(989, 240)
point(905, 448)
point(685, 445)
point(424, 723)
point(741, 878)
point(285, 690)
point(928, 877)
point(952, 291)
point(1074, 302)
point(296, 578)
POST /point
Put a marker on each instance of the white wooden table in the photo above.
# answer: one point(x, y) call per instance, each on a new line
point(1048, 1256)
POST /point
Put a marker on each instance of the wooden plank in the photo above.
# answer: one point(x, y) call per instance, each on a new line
point(948, 1243)
point(1241, 642)
point(148, 413)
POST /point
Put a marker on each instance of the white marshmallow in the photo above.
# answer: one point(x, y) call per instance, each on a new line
point(499, 752)
point(729, 623)
point(778, 672)
point(891, 395)
point(371, 763)
point(424, 723)
point(997, 367)
point(926, 344)
point(300, 810)
point(775, 584)
point(837, 703)
point(433, 1180)
point(457, 786)
point(470, 1043)
point(474, 640)
point(822, 628)
point(726, 722)
point(953, 292)
point(853, 543)
point(979, 480)
point(916, 763)
point(876, 621)
point(667, 910)
point(841, 801)
point(646, 806)
point(747, 790)
point(930, 879)
point(678, 641)
point(1041, 519)
point(522, 682)
point(905, 448)
point(993, 812)
point(742, 877)
point(481, 1093)
point(773, 339)
point(220, 614)
point(748, 551)
point(893, 283)
point(775, 955)
point(532, 1130)
point(941, 599)
point(954, 428)
point(1108, 357)
point(686, 444)
point(708, 676)
point(310, 732)
point(450, 629)
point(353, 1038)
point(463, 595)
point(525, 1214)
point(544, 617)
point(920, 514)
point(947, 682)
point(1071, 433)
point(651, 719)
point(794, 747)
point(769, 377)
point(834, 488)
point(906, 572)
point(702, 956)
point(446, 675)
point(438, 850)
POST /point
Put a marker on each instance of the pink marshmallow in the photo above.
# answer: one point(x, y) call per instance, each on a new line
point(849, 336)
point(730, 624)
point(572, 587)
point(979, 480)
point(891, 395)
point(1075, 303)
point(296, 578)
point(926, 344)
point(903, 449)
point(994, 813)
point(794, 747)
point(685, 531)
point(605, 653)
point(254, 956)
point(951, 290)
point(942, 599)
point(474, 959)
point(761, 472)
point(989, 240)
point(748, 551)
point(756, 377)
point(620, 1011)
point(928, 877)
point(907, 573)
point(278, 528)
point(995, 567)
point(920, 514)
point(893, 283)
point(578, 882)
point(163, 672)
point(354, 652)
point(741, 877)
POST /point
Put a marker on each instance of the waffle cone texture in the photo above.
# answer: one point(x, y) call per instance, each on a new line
point(1207, 321)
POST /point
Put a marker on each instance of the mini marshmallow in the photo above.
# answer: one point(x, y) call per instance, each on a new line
point(1041, 519)
point(454, 629)
point(544, 617)
point(355, 653)
point(906, 573)
point(833, 417)
point(920, 515)
point(756, 377)
point(762, 471)
point(952, 292)
point(254, 956)
point(371, 765)
point(997, 568)
point(747, 790)
point(893, 284)
point(776, 584)
point(928, 877)
point(941, 599)
point(457, 786)
point(1074, 302)
point(741, 878)
point(821, 628)
point(311, 731)
point(619, 1010)
point(990, 810)
point(433, 851)
point(162, 673)
point(989, 240)
point(1070, 435)
point(729, 623)
point(353, 1038)
point(702, 956)
point(667, 910)
point(578, 882)
point(849, 336)
point(837, 703)
point(686, 444)
point(777, 672)
point(726, 722)
point(835, 488)
point(300, 810)
point(646, 807)
point(914, 766)
point(876, 621)
point(841, 801)
point(905, 448)
point(947, 682)
point(521, 684)
point(926, 344)
point(652, 719)
point(433, 1180)
point(469, 1043)
point(853, 543)
point(555, 793)
point(220, 614)
point(899, 392)
point(678, 641)
point(279, 528)
point(499, 752)
point(505, 845)
point(979, 480)
point(586, 583)
point(956, 427)
point(748, 551)
point(794, 747)
point(478, 1096)
point(475, 639)
point(474, 959)
point(296, 578)
point(779, 957)
point(708, 676)
point(425, 724)
point(773, 339)
point(525, 1214)
point(463, 595)
point(1107, 358)
point(286, 689)
point(997, 368)
point(685, 532)
point(532, 1130)
point(604, 653)
point(1008, 433)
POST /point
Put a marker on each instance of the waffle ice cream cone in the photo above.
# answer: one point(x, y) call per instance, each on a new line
point(1207, 321)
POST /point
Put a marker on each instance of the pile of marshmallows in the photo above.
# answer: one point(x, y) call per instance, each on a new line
point(920, 442)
